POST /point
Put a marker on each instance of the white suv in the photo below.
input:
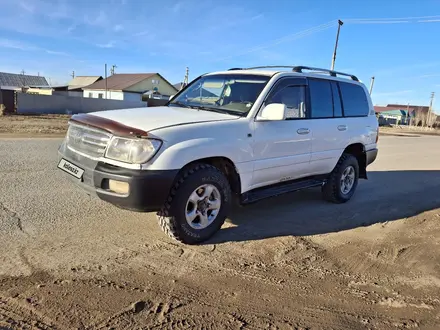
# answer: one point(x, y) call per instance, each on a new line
point(238, 135)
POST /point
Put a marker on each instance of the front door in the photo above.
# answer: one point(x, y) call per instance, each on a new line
point(282, 149)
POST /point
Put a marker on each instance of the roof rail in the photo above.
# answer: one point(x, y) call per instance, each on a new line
point(300, 68)
point(331, 72)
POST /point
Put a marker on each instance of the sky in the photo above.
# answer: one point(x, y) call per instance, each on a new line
point(396, 41)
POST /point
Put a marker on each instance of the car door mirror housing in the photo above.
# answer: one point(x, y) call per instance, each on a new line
point(273, 111)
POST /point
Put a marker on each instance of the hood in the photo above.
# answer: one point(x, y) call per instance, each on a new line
point(150, 118)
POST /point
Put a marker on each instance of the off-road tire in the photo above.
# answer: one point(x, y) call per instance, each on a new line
point(172, 217)
point(331, 190)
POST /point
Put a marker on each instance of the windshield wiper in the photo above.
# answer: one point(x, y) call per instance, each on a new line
point(227, 112)
point(181, 104)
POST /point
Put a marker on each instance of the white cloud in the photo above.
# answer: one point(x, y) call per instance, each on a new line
point(109, 44)
point(26, 6)
point(54, 52)
point(253, 18)
point(118, 27)
point(96, 20)
point(177, 7)
point(19, 45)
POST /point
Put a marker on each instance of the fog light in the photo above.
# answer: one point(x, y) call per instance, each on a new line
point(118, 187)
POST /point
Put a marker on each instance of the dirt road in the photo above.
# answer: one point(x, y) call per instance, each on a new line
point(295, 262)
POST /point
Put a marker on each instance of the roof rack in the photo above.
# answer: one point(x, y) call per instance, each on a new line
point(300, 69)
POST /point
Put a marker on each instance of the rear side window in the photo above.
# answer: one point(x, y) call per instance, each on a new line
point(321, 98)
point(337, 106)
point(354, 100)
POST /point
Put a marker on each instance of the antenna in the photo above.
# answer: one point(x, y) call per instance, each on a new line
point(112, 69)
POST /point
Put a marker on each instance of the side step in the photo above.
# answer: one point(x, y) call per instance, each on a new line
point(278, 189)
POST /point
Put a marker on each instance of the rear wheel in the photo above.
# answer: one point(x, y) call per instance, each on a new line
point(197, 205)
point(342, 182)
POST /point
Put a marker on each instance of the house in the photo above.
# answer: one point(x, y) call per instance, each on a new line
point(76, 85)
point(391, 115)
point(129, 86)
point(22, 80)
point(205, 92)
point(179, 86)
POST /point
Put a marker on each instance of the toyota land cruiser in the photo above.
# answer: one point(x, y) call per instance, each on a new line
point(237, 135)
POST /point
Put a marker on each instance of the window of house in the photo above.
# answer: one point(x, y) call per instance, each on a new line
point(90, 94)
point(337, 106)
point(321, 98)
point(100, 95)
point(354, 100)
point(294, 99)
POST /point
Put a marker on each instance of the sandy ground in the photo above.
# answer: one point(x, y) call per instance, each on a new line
point(26, 126)
point(69, 261)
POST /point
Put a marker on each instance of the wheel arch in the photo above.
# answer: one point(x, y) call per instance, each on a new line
point(358, 150)
point(225, 165)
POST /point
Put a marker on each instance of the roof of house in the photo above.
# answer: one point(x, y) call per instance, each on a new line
point(82, 81)
point(390, 111)
point(19, 80)
point(410, 107)
point(178, 86)
point(120, 81)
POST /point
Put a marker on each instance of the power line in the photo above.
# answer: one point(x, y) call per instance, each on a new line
point(394, 20)
point(391, 18)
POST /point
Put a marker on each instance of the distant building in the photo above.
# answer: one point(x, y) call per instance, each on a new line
point(76, 85)
point(412, 109)
point(392, 115)
point(22, 80)
point(130, 87)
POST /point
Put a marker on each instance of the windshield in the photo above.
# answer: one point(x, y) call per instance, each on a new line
point(228, 93)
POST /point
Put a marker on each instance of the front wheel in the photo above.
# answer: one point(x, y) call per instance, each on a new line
point(197, 205)
point(342, 182)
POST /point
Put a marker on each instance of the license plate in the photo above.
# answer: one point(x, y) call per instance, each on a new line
point(70, 168)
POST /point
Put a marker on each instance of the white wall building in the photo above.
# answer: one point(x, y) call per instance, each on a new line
point(129, 86)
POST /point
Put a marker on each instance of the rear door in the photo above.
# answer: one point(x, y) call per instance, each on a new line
point(328, 125)
point(338, 112)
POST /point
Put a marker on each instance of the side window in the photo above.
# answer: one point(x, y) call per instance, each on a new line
point(294, 97)
point(321, 99)
point(354, 100)
point(337, 106)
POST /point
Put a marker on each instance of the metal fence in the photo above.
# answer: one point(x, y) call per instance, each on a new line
point(61, 104)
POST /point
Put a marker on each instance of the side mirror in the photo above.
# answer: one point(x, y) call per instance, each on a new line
point(171, 97)
point(273, 111)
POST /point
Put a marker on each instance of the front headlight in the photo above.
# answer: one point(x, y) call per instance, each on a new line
point(133, 151)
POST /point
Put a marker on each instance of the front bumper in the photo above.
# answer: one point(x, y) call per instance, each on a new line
point(148, 190)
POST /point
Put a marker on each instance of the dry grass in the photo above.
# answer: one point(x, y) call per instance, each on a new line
point(33, 125)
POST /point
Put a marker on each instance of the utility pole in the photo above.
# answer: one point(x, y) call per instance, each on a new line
point(185, 80)
point(112, 70)
point(105, 75)
point(371, 85)
point(430, 108)
point(340, 23)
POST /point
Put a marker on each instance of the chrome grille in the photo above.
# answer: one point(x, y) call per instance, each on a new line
point(87, 141)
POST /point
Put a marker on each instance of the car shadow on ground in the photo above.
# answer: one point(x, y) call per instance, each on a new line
point(385, 196)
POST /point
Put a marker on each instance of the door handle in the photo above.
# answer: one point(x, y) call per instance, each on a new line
point(342, 127)
point(303, 131)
